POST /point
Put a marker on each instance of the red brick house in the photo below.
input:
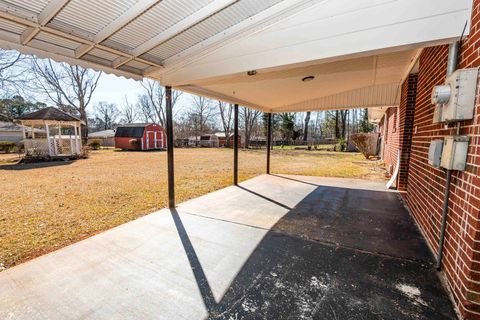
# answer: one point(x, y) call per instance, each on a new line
point(407, 131)
point(140, 136)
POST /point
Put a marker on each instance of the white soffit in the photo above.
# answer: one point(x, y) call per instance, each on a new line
point(192, 44)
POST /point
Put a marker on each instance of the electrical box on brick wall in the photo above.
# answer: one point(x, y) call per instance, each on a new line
point(455, 100)
point(454, 153)
point(435, 153)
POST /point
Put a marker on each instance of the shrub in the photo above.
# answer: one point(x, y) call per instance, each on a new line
point(366, 143)
point(342, 145)
point(7, 146)
point(95, 144)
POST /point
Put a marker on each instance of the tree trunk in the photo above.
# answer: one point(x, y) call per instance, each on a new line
point(344, 114)
point(305, 130)
point(337, 129)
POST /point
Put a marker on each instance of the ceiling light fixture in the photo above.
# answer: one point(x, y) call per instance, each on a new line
point(252, 72)
point(309, 78)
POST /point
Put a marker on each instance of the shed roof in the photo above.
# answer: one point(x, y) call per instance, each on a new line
point(137, 125)
point(49, 113)
point(358, 51)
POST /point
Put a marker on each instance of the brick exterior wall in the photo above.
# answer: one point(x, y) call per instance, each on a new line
point(406, 118)
point(389, 131)
point(426, 185)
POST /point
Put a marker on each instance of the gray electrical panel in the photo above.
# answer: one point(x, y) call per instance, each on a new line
point(435, 153)
point(455, 100)
point(461, 104)
point(454, 153)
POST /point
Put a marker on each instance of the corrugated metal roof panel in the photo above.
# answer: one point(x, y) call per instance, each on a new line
point(157, 19)
point(130, 69)
point(58, 41)
point(91, 16)
point(137, 65)
point(225, 19)
point(11, 27)
point(34, 6)
point(103, 54)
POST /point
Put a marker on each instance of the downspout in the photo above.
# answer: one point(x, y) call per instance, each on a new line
point(451, 67)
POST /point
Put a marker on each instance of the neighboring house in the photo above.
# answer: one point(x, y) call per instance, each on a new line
point(209, 141)
point(206, 141)
point(106, 137)
point(140, 136)
point(222, 139)
point(12, 132)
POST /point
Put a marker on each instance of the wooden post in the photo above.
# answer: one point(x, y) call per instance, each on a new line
point(269, 140)
point(47, 129)
point(171, 168)
point(24, 134)
point(80, 136)
point(235, 144)
point(60, 138)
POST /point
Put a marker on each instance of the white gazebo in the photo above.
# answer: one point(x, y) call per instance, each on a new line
point(61, 136)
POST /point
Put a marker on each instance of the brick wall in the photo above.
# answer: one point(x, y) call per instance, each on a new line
point(389, 132)
point(426, 185)
point(406, 118)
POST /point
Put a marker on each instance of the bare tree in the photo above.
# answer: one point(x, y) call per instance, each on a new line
point(152, 102)
point(12, 76)
point(201, 114)
point(249, 119)
point(68, 86)
point(106, 114)
point(128, 112)
point(226, 115)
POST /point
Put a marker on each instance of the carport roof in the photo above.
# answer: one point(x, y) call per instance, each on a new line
point(358, 51)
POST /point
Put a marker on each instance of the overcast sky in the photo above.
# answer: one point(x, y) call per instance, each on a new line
point(113, 89)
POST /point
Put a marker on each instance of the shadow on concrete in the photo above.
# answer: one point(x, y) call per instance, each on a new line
point(339, 254)
point(35, 165)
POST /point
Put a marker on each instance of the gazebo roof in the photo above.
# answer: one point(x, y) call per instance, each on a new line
point(49, 113)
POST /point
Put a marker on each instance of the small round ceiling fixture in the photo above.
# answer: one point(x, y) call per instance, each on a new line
point(309, 78)
point(252, 72)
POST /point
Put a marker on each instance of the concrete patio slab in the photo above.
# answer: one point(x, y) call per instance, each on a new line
point(276, 247)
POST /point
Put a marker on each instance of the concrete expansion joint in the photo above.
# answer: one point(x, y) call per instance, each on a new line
point(223, 220)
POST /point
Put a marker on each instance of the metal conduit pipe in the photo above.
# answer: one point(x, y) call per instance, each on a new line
point(451, 67)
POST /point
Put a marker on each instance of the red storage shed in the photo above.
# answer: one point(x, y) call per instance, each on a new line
point(140, 136)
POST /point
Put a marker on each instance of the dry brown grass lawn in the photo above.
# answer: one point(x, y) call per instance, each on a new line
point(49, 205)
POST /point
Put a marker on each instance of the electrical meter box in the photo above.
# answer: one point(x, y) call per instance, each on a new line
point(460, 104)
point(435, 153)
point(454, 153)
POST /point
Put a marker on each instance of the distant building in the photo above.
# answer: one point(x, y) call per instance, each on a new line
point(222, 139)
point(106, 137)
point(140, 136)
point(13, 132)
